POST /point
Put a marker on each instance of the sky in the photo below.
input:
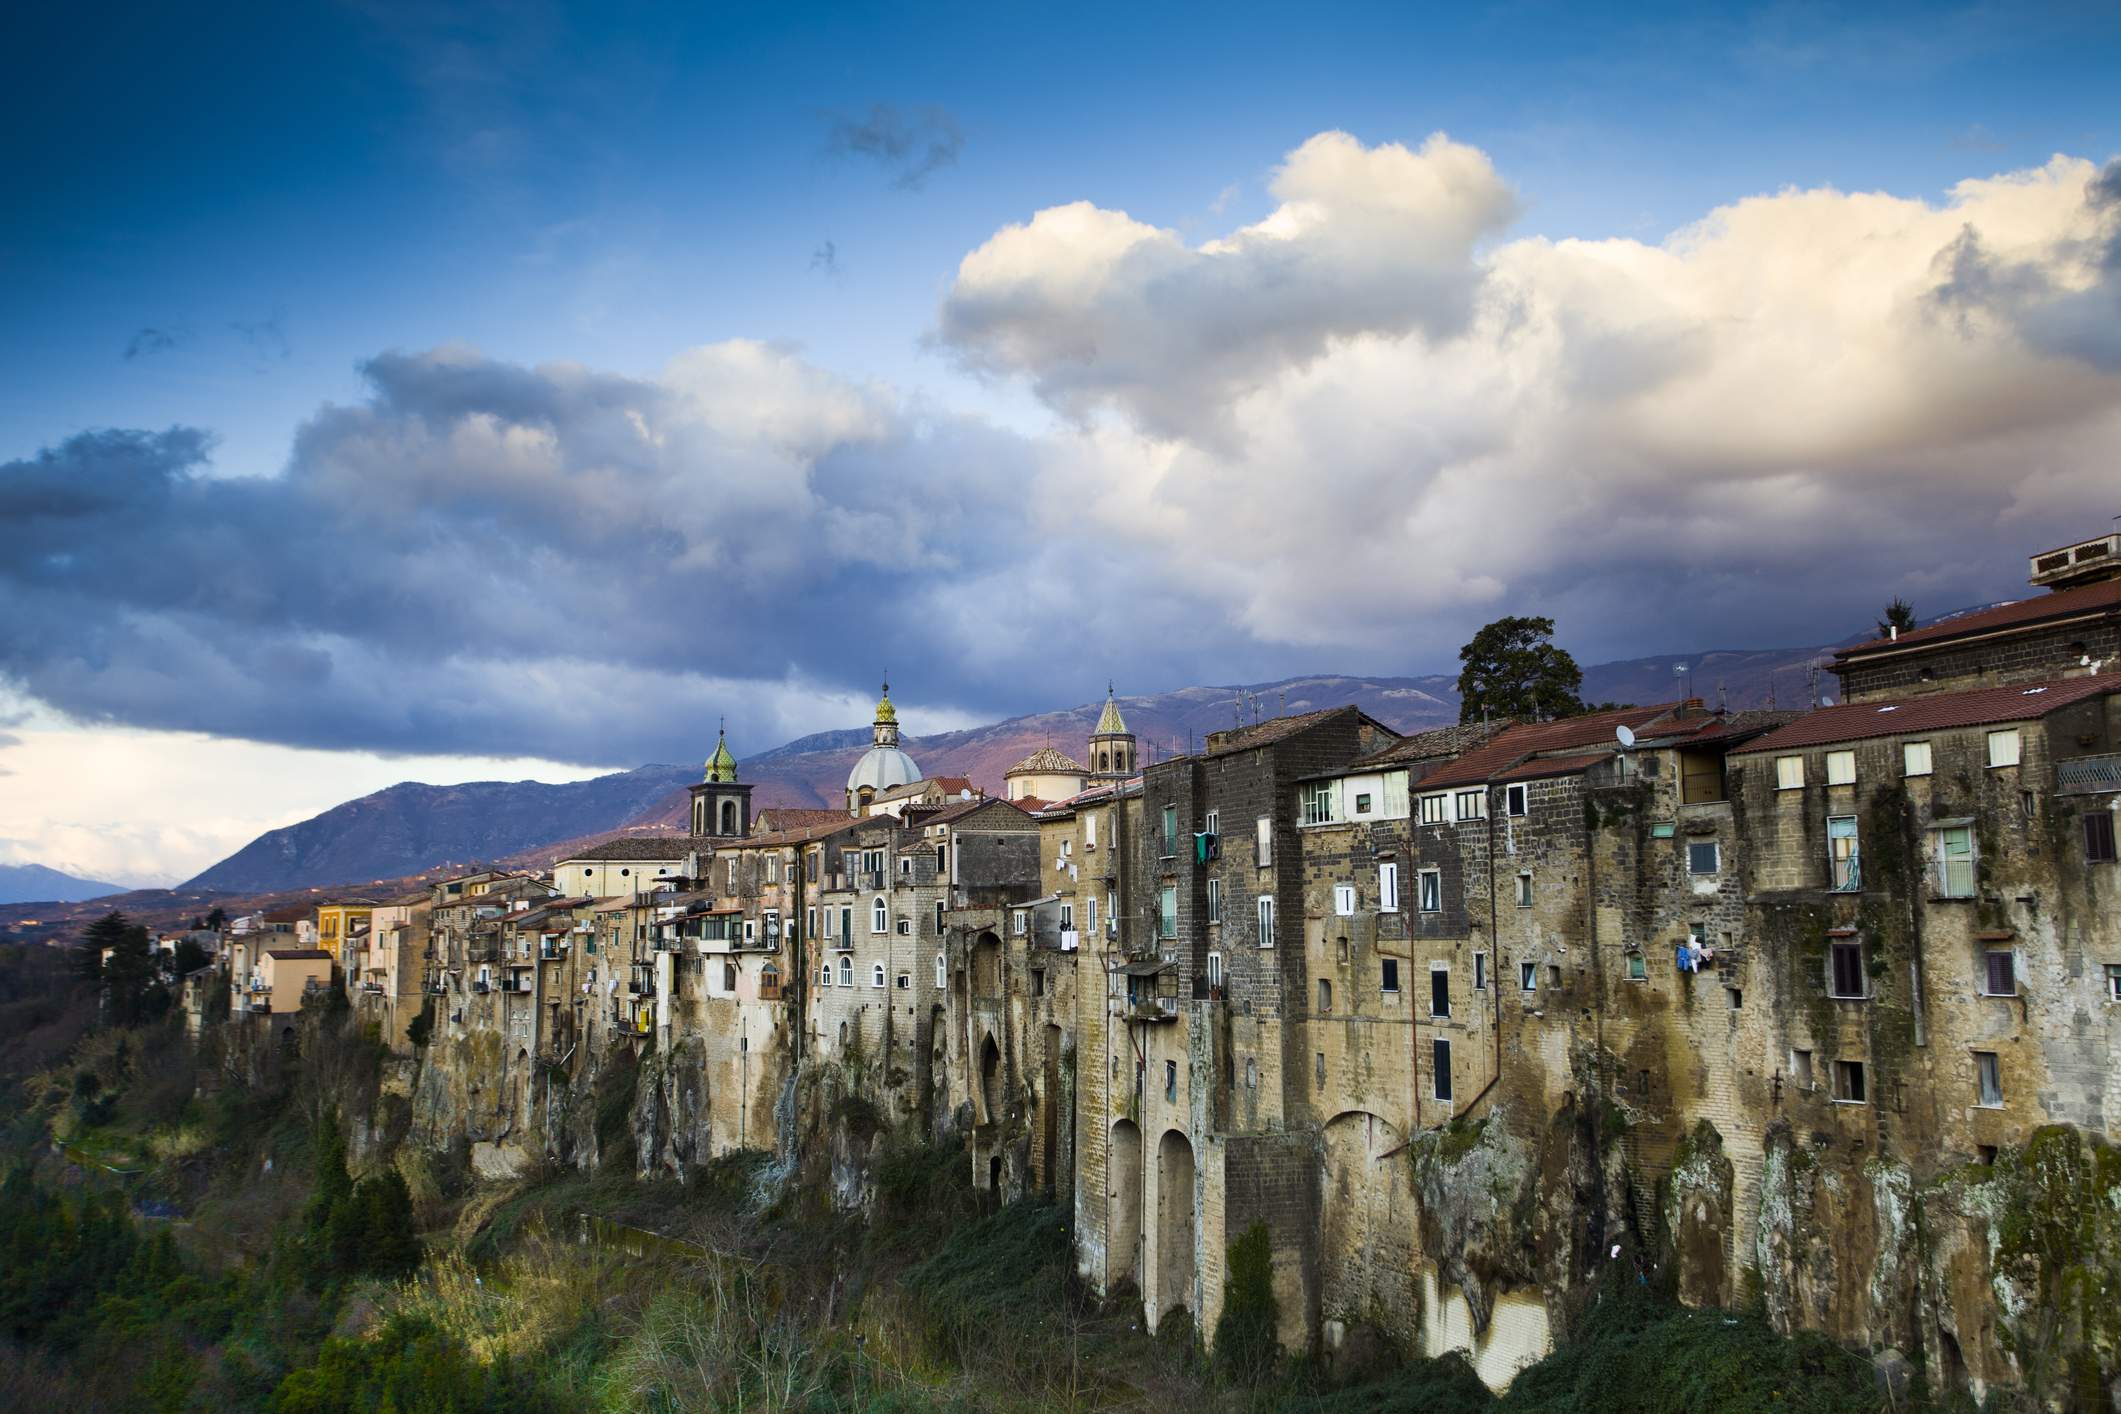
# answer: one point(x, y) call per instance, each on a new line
point(456, 392)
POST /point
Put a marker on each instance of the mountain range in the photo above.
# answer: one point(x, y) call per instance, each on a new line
point(34, 883)
point(412, 828)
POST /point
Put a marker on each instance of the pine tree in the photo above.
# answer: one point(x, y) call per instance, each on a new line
point(105, 932)
point(1899, 617)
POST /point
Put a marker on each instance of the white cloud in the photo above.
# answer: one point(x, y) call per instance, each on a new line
point(1356, 427)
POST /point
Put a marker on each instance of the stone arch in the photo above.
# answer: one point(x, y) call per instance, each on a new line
point(729, 817)
point(990, 1079)
point(1365, 1207)
point(1174, 1224)
point(987, 966)
point(1123, 1210)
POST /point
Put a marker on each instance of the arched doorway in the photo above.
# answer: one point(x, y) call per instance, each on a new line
point(1123, 1213)
point(1174, 1223)
point(990, 1080)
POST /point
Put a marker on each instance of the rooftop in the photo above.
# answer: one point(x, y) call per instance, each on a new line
point(1857, 721)
point(669, 849)
point(2102, 598)
point(1279, 729)
point(1047, 761)
point(1525, 740)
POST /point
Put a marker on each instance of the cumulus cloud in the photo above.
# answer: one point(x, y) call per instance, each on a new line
point(912, 144)
point(1100, 309)
point(1356, 423)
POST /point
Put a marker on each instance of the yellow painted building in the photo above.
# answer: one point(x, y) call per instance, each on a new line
point(346, 919)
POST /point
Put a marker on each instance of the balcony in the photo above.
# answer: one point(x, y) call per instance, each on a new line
point(550, 951)
point(1153, 1009)
point(2088, 775)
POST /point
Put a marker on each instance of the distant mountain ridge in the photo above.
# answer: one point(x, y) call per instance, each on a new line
point(411, 827)
point(34, 883)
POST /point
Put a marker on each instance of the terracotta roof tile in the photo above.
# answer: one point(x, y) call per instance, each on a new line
point(1278, 729)
point(1527, 739)
point(2103, 597)
point(1857, 721)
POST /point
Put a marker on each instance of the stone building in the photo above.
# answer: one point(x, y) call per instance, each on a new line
point(383, 979)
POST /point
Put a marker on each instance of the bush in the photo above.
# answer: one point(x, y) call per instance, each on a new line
point(1247, 1339)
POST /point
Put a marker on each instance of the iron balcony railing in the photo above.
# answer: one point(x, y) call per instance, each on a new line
point(2088, 775)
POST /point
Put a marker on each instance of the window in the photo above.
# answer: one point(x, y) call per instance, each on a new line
point(1480, 972)
point(1318, 1064)
point(940, 905)
point(1953, 861)
point(1528, 977)
point(1516, 800)
point(1435, 809)
point(942, 861)
point(1362, 803)
point(2113, 981)
point(1439, 991)
point(1090, 913)
point(1266, 841)
point(1841, 768)
point(846, 972)
point(1789, 772)
point(1848, 1082)
point(1020, 923)
point(1266, 920)
point(1318, 804)
point(1170, 829)
point(1524, 889)
point(846, 927)
point(1171, 1080)
point(2003, 747)
point(1212, 822)
point(1843, 859)
point(942, 974)
point(876, 975)
point(2099, 837)
point(905, 927)
point(1845, 970)
point(1325, 996)
point(1431, 882)
point(810, 921)
point(1801, 1069)
point(1167, 912)
point(1215, 969)
point(1343, 899)
point(1471, 804)
point(1638, 968)
point(1388, 982)
point(1988, 1080)
point(1215, 900)
point(1388, 886)
point(732, 875)
point(1703, 857)
point(879, 917)
point(1090, 829)
point(1440, 1068)
point(1067, 921)
point(824, 975)
point(1112, 910)
point(1915, 758)
point(1038, 981)
point(1999, 973)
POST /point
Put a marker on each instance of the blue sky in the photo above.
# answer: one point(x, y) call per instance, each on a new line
point(236, 221)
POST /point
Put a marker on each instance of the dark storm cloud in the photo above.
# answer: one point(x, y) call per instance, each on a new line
point(910, 144)
point(484, 558)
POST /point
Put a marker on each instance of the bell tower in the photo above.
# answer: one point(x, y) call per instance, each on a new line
point(1111, 744)
point(721, 804)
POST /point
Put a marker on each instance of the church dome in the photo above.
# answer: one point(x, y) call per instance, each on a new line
point(881, 768)
point(883, 765)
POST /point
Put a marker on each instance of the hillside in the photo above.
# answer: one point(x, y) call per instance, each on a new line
point(411, 827)
point(34, 883)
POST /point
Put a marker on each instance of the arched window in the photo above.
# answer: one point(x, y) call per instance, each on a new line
point(879, 917)
point(728, 817)
point(846, 972)
point(942, 974)
point(876, 975)
point(824, 975)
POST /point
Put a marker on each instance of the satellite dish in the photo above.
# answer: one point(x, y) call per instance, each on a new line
point(1626, 735)
point(1826, 702)
point(965, 794)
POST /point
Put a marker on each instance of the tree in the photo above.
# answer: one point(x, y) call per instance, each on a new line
point(190, 957)
point(1513, 669)
point(217, 919)
point(105, 932)
point(1899, 616)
